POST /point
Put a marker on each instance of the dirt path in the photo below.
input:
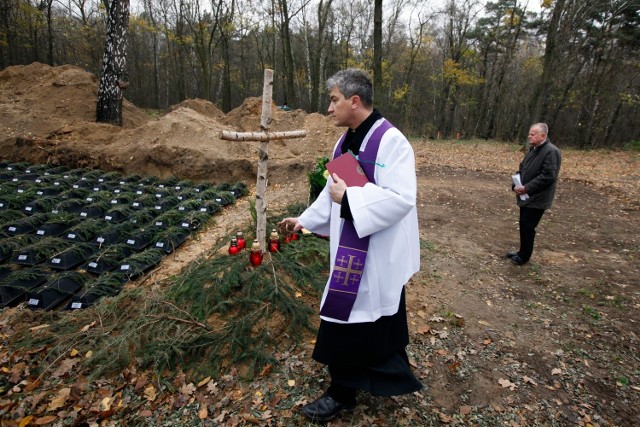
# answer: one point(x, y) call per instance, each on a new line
point(556, 338)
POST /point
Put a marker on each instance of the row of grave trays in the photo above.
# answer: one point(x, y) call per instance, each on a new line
point(84, 233)
point(99, 230)
point(92, 204)
point(44, 288)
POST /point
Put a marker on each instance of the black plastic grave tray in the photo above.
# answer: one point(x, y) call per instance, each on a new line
point(39, 251)
point(140, 240)
point(85, 231)
point(55, 291)
point(15, 286)
point(171, 242)
point(107, 285)
point(137, 264)
point(53, 229)
point(71, 257)
point(108, 259)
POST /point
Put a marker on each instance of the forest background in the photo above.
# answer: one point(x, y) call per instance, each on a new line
point(453, 69)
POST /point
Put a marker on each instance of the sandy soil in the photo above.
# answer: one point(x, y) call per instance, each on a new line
point(555, 340)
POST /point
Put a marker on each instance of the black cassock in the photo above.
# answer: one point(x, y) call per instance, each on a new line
point(368, 356)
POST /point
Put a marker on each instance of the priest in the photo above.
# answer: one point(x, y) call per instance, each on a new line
point(375, 250)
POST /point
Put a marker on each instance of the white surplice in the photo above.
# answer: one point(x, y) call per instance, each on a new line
point(386, 211)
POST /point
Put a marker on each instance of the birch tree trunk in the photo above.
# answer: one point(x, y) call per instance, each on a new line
point(114, 79)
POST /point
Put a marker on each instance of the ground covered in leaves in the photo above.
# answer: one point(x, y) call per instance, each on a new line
point(554, 342)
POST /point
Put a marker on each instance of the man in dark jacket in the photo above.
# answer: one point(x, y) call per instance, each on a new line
point(538, 176)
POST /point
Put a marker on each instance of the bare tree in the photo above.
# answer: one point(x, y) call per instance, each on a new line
point(316, 54)
point(377, 47)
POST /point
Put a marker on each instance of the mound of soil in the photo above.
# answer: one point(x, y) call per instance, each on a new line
point(49, 117)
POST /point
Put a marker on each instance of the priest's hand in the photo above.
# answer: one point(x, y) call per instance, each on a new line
point(289, 225)
point(337, 188)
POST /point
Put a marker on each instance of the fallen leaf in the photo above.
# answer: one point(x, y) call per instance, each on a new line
point(45, 420)
point(250, 419)
point(145, 413)
point(424, 330)
point(291, 383)
point(37, 328)
point(25, 421)
point(16, 372)
point(442, 334)
point(465, 410)
point(220, 418)
point(556, 371)
point(74, 353)
point(85, 328)
point(35, 399)
point(65, 367)
point(445, 418)
point(203, 413)
point(32, 385)
point(188, 389)
point(529, 380)
point(487, 341)
point(298, 294)
point(89, 354)
point(150, 393)
point(60, 399)
point(105, 404)
point(204, 381)
point(507, 384)
point(212, 387)
point(266, 370)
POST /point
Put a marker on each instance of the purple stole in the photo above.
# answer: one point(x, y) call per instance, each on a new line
point(352, 250)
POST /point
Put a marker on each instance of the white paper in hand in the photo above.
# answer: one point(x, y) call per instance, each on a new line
point(517, 182)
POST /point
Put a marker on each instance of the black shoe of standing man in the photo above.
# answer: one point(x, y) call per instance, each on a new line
point(511, 254)
point(517, 260)
point(324, 408)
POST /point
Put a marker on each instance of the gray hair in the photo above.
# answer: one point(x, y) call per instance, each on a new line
point(543, 128)
point(353, 81)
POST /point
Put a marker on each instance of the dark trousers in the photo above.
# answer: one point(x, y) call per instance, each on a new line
point(529, 219)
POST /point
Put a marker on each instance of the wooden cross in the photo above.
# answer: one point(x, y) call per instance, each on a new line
point(264, 137)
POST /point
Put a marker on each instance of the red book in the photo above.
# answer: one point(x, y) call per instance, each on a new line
point(348, 169)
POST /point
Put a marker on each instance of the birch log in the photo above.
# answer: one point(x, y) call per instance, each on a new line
point(261, 136)
point(263, 157)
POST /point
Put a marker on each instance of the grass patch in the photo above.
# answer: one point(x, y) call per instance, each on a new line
point(591, 312)
point(632, 146)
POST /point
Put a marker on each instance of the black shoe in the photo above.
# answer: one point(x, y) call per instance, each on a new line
point(517, 260)
point(511, 254)
point(325, 408)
